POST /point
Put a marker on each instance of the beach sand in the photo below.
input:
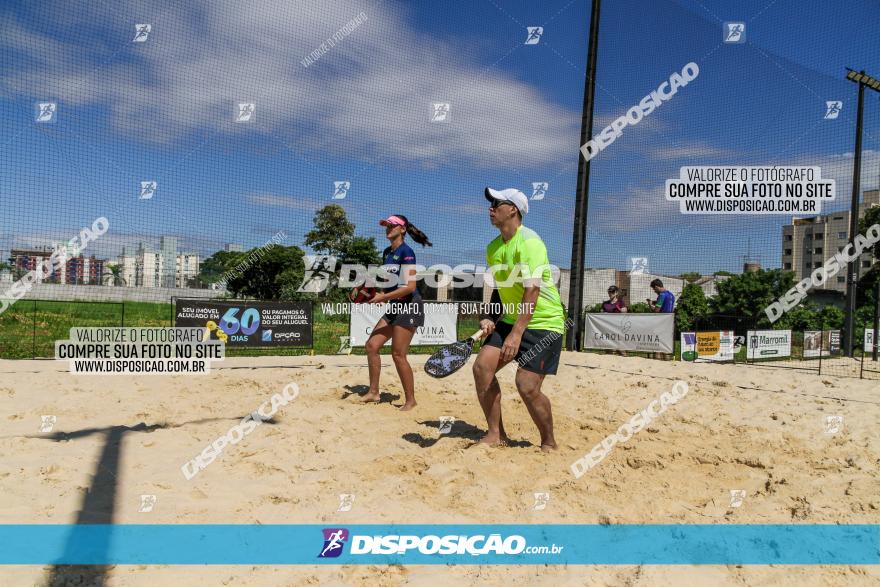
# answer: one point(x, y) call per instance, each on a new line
point(757, 429)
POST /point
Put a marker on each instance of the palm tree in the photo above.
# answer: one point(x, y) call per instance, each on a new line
point(113, 275)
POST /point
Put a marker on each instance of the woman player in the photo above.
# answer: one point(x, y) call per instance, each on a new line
point(405, 313)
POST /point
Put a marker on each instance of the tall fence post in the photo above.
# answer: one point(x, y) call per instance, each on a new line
point(34, 332)
point(876, 322)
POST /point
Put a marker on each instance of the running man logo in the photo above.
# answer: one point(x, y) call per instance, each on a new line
point(148, 502)
point(446, 423)
point(334, 540)
point(534, 34)
point(340, 189)
point(734, 32)
point(542, 498)
point(736, 497)
point(639, 265)
point(47, 423)
point(245, 111)
point(318, 271)
point(833, 424)
point(46, 111)
point(141, 32)
point(346, 502)
point(440, 112)
point(832, 109)
point(148, 189)
point(539, 189)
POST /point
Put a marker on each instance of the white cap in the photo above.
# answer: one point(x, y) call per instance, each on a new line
point(512, 195)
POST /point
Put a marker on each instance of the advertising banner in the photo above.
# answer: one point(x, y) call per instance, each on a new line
point(821, 343)
point(869, 339)
point(707, 346)
point(767, 344)
point(441, 321)
point(249, 323)
point(630, 332)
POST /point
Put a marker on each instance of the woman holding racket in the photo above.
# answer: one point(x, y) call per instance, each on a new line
point(405, 312)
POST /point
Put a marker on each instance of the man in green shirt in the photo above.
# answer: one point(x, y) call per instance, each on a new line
point(532, 321)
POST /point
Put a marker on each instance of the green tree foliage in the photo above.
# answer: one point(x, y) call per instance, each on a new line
point(691, 306)
point(691, 276)
point(334, 235)
point(871, 217)
point(747, 294)
point(332, 232)
point(215, 267)
point(270, 273)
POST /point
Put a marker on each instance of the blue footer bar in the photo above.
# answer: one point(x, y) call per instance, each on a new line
point(173, 544)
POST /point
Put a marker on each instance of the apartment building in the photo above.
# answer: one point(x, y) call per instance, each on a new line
point(75, 270)
point(165, 267)
point(808, 242)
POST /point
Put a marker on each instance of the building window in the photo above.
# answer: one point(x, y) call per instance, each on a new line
point(817, 265)
point(866, 264)
point(838, 218)
point(788, 237)
point(819, 250)
point(841, 235)
point(788, 266)
point(788, 251)
point(841, 280)
point(820, 237)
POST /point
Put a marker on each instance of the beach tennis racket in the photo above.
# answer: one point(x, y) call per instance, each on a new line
point(452, 357)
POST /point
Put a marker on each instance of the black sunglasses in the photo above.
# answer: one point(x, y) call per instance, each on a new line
point(495, 203)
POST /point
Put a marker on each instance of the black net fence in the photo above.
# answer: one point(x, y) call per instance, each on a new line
point(162, 151)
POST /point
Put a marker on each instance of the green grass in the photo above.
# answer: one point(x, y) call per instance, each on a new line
point(29, 329)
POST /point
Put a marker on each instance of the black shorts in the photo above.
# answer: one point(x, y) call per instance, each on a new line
point(408, 314)
point(539, 350)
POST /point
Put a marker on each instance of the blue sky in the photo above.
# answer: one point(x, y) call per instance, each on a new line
point(163, 110)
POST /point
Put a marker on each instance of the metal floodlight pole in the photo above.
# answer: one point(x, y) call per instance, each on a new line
point(579, 234)
point(875, 338)
point(852, 270)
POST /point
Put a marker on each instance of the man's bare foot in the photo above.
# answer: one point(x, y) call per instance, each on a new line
point(408, 406)
point(494, 440)
point(549, 447)
point(371, 398)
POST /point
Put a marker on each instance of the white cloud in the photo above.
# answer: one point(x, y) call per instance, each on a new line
point(369, 96)
point(279, 201)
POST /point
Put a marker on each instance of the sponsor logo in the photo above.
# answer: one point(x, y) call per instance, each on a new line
point(334, 541)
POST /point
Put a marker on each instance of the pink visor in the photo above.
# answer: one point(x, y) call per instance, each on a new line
point(393, 220)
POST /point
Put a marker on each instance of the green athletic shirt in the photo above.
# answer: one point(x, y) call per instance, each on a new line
point(525, 251)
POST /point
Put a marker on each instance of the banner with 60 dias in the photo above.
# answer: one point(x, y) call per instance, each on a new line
point(249, 323)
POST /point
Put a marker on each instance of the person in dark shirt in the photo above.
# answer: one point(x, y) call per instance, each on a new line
point(665, 304)
point(405, 311)
point(614, 304)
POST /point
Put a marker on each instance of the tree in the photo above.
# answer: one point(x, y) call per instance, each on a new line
point(215, 267)
point(332, 233)
point(113, 275)
point(691, 306)
point(871, 217)
point(274, 273)
point(748, 294)
point(690, 276)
